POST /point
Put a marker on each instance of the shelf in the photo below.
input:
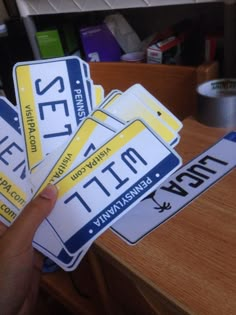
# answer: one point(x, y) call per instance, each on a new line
point(28, 9)
point(40, 7)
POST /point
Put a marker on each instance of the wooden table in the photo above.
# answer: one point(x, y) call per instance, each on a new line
point(188, 264)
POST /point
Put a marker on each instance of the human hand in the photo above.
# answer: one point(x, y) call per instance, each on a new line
point(20, 264)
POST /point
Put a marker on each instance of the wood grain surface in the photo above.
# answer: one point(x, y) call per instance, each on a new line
point(190, 260)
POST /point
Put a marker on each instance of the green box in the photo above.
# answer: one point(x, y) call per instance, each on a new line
point(49, 43)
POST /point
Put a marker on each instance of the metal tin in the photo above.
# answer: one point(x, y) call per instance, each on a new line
point(217, 103)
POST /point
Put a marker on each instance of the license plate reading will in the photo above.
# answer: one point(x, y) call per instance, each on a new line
point(109, 183)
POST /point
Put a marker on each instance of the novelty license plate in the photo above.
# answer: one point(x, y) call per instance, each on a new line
point(109, 183)
point(53, 100)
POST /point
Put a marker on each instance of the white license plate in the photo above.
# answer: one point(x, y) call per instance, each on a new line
point(109, 183)
point(53, 99)
point(179, 190)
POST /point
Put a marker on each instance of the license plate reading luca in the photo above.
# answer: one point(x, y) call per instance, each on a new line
point(109, 183)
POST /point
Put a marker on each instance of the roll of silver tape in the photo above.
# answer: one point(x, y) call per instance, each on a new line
point(217, 103)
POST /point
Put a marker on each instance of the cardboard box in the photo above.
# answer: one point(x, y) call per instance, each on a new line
point(99, 44)
point(167, 46)
point(49, 43)
point(166, 51)
point(214, 46)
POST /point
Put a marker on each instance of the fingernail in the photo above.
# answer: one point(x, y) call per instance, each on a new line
point(49, 192)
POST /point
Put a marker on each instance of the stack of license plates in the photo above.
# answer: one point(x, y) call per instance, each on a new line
point(105, 154)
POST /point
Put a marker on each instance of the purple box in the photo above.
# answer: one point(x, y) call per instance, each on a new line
point(99, 44)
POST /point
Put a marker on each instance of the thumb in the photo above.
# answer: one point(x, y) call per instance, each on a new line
point(25, 226)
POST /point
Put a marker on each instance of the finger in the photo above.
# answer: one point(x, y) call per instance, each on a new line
point(25, 226)
point(31, 298)
point(38, 261)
